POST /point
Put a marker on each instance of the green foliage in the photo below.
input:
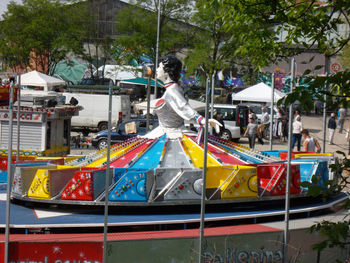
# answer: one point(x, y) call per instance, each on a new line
point(39, 33)
point(137, 28)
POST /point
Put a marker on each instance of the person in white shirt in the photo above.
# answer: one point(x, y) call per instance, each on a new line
point(264, 121)
point(297, 114)
point(296, 137)
point(341, 119)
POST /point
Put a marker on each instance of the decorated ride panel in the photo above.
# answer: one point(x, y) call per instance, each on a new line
point(49, 182)
point(132, 186)
point(228, 182)
point(272, 179)
point(86, 185)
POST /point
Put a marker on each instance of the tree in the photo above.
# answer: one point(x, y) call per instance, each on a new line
point(137, 28)
point(40, 33)
point(284, 28)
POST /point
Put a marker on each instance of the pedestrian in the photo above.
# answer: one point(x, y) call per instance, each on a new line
point(332, 125)
point(252, 115)
point(341, 118)
point(251, 132)
point(310, 143)
point(297, 114)
point(285, 128)
point(77, 141)
point(265, 118)
point(296, 137)
point(222, 128)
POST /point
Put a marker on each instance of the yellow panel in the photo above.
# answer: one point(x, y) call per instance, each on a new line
point(242, 184)
point(40, 187)
point(217, 175)
point(195, 152)
point(117, 152)
point(313, 155)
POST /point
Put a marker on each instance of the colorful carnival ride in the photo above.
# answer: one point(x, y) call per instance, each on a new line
point(165, 171)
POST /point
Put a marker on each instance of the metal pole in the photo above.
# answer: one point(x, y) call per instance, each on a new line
point(326, 71)
point(272, 104)
point(289, 166)
point(212, 99)
point(148, 101)
point(18, 115)
point(105, 226)
point(9, 166)
point(204, 175)
point(157, 51)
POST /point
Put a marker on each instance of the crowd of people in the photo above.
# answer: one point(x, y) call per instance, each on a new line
point(280, 129)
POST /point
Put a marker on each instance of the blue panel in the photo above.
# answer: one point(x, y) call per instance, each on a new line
point(273, 153)
point(151, 158)
point(130, 188)
point(118, 173)
point(310, 168)
point(3, 176)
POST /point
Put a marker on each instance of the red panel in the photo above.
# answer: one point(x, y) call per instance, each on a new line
point(54, 252)
point(284, 155)
point(128, 157)
point(95, 237)
point(80, 187)
point(224, 157)
point(272, 178)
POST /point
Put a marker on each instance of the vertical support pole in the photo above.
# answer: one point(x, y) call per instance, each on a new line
point(149, 100)
point(212, 99)
point(157, 52)
point(9, 169)
point(204, 175)
point(18, 115)
point(272, 112)
point(326, 71)
point(105, 226)
point(289, 166)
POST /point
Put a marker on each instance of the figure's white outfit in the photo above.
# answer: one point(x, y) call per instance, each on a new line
point(172, 109)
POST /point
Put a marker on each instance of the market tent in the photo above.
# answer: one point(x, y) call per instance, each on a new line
point(70, 70)
point(38, 79)
point(197, 105)
point(257, 93)
point(119, 72)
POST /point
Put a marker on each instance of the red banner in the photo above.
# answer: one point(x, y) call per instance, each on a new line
point(88, 252)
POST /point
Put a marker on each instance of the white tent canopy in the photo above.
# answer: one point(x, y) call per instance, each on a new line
point(37, 79)
point(257, 93)
point(197, 105)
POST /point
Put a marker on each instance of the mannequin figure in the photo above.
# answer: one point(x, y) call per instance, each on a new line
point(172, 108)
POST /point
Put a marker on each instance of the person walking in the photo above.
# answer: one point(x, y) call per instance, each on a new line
point(310, 143)
point(296, 137)
point(252, 132)
point(252, 115)
point(341, 119)
point(265, 118)
point(332, 125)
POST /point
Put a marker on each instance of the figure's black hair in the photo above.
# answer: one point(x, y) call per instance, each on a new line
point(172, 66)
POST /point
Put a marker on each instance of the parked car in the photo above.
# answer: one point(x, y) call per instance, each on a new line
point(122, 132)
point(235, 118)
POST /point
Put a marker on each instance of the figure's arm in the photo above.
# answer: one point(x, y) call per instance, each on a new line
point(181, 106)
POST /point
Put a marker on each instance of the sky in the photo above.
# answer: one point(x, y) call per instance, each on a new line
point(3, 4)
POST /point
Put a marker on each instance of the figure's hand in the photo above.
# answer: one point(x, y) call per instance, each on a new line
point(212, 122)
point(215, 124)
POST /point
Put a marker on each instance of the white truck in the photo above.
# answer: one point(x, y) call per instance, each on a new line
point(95, 112)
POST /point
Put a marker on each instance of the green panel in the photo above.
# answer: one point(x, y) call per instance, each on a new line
point(257, 247)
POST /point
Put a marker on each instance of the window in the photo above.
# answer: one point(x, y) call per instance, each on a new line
point(227, 114)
